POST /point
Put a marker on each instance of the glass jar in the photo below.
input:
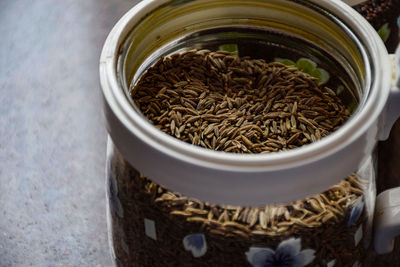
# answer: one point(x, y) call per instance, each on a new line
point(174, 204)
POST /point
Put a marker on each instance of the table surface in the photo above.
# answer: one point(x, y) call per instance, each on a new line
point(52, 135)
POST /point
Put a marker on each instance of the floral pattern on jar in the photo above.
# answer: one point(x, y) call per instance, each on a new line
point(196, 244)
point(288, 253)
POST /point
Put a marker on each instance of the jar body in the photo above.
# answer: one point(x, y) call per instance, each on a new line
point(152, 226)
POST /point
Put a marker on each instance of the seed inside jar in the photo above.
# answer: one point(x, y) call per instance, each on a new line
point(220, 101)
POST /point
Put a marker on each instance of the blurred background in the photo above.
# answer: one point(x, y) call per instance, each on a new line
point(52, 135)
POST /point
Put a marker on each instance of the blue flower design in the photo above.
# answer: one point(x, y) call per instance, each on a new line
point(287, 254)
point(356, 212)
point(384, 32)
point(196, 243)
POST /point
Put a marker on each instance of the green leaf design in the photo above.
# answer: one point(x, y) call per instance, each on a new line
point(339, 89)
point(231, 48)
point(285, 61)
point(316, 73)
point(306, 65)
point(384, 32)
point(352, 106)
point(323, 75)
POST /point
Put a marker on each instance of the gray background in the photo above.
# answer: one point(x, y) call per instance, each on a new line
point(52, 138)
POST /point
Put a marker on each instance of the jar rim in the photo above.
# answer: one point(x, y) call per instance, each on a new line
point(294, 167)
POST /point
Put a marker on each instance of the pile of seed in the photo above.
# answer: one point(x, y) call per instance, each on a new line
point(326, 208)
point(236, 104)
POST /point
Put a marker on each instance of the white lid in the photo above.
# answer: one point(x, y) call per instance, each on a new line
point(243, 179)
